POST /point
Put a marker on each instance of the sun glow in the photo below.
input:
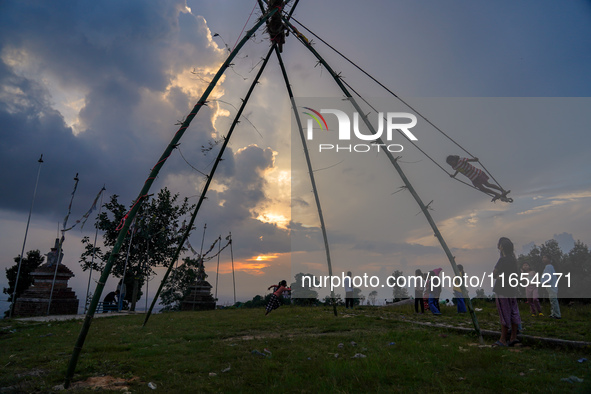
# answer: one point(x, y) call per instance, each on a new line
point(263, 257)
point(254, 265)
point(277, 219)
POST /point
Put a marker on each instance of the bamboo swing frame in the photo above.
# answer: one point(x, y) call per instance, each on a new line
point(175, 141)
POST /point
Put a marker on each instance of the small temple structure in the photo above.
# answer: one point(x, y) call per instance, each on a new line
point(199, 297)
point(35, 300)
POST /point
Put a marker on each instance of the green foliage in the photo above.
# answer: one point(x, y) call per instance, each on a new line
point(177, 286)
point(338, 300)
point(156, 236)
point(577, 262)
point(552, 249)
point(372, 297)
point(257, 301)
point(29, 264)
point(400, 293)
point(358, 297)
point(301, 291)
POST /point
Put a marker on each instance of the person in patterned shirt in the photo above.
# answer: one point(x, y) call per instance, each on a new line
point(478, 177)
point(278, 291)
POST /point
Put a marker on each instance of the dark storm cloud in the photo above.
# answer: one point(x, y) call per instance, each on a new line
point(244, 186)
point(116, 53)
point(234, 207)
point(30, 127)
point(88, 42)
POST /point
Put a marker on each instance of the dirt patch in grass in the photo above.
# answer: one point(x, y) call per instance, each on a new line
point(105, 383)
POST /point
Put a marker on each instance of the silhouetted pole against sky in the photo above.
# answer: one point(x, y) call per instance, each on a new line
point(61, 243)
point(394, 161)
point(93, 254)
point(144, 192)
point(20, 262)
point(312, 179)
point(208, 182)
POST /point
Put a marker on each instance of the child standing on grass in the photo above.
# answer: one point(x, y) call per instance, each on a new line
point(531, 291)
point(274, 302)
point(550, 273)
point(426, 277)
point(419, 292)
point(506, 294)
point(434, 290)
point(458, 295)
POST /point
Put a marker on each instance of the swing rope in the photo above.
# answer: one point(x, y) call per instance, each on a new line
point(410, 107)
point(414, 144)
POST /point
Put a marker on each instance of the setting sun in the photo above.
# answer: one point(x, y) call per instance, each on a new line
point(264, 257)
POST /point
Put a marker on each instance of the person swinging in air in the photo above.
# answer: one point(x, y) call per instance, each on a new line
point(478, 177)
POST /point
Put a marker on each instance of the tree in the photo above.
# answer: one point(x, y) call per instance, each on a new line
point(29, 264)
point(579, 258)
point(578, 263)
point(358, 298)
point(337, 300)
point(400, 293)
point(259, 301)
point(372, 297)
point(152, 239)
point(534, 259)
point(552, 249)
point(301, 293)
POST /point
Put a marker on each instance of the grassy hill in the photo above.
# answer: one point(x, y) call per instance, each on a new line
point(308, 349)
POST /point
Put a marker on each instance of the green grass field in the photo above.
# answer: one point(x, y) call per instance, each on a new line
point(213, 352)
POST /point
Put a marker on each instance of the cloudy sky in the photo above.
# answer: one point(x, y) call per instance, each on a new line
point(97, 87)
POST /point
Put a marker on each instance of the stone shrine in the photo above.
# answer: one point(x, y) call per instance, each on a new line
point(199, 297)
point(34, 300)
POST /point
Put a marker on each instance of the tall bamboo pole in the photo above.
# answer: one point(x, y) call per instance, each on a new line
point(394, 162)
point(311, 172)
point(20, 262)
point(61, 243)
point(143, 193)
point(233, 276)
point(207, 183)
point(93, 253)
point(217, 275)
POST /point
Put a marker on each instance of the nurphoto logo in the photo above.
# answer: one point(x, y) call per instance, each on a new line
point(401, 121)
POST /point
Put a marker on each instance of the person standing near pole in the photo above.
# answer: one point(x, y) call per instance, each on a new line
point(349, 294)
point(122, 290)
point(434, 290)
point(505, 294)
point(531, 291)
point(458, 296)
point(419, 290)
